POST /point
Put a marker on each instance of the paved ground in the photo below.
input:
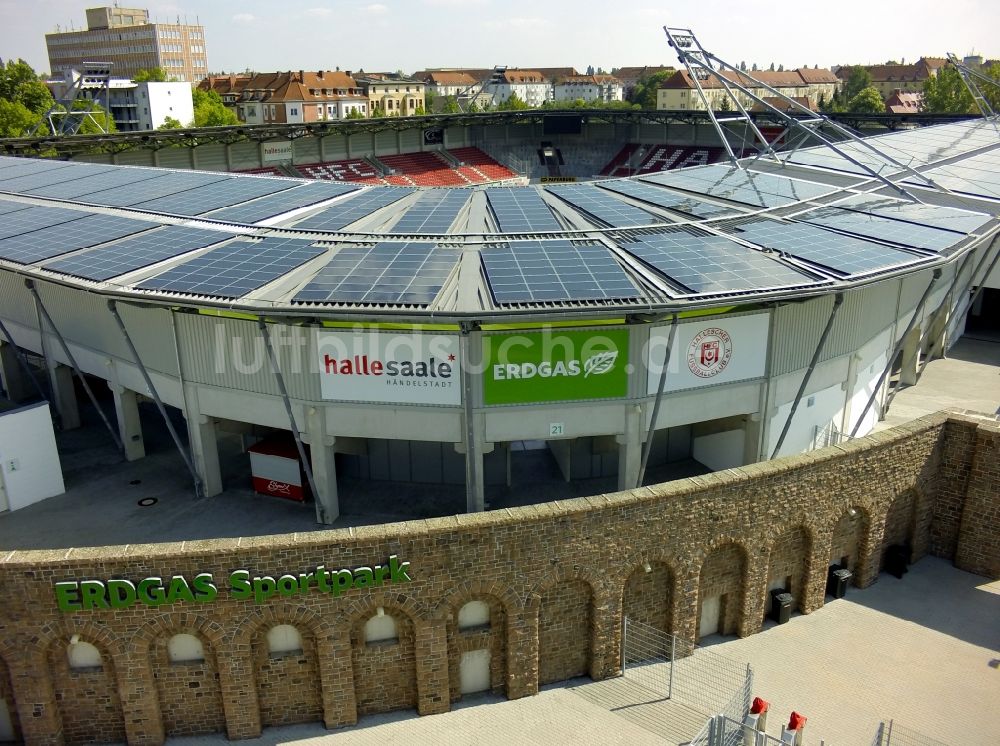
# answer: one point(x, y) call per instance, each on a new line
point(924, 651)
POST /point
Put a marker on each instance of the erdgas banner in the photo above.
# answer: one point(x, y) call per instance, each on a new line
point(555, 365)
point(716, 350)
point(391, 367)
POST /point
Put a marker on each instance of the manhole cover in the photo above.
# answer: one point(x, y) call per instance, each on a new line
point(147, 501)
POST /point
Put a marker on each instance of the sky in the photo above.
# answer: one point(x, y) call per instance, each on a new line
point(410, 35)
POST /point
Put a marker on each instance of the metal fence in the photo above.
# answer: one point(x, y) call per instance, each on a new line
point(678, 670)
point(724, 731)
point(891, 733)
point(828, 436)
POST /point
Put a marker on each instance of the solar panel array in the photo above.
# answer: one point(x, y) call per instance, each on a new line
point(172, 182)
point(98, 182)
point(202, 199)
point(521, 210)
point(842, 254)
point(388, 272)
point(281, 202)
point(28, 183)
point(602, 207)
point(559, 270)
point(705, 263)
point(136, 252)
point(883, 229)
point(739, 185)
point(35, 218)
point(236, 268)
point(21, 166)
point(434, 212)
point(351, 210)
point(6, 206)
point(662, 197)
point(64, 237)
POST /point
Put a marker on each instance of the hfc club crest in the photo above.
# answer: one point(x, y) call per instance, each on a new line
point(709, 352)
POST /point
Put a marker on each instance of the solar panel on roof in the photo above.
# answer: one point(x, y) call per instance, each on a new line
point(36, 218)
point(30, 166)
point(882, 229)
point(843, 254)
point(6, 207)
point(434, 212)
point(662, 197)
point(201, 199)
point(409, 272)
point(275, 204)
point(353, 209)
point(946, 218)
point(602, 207)
point(172, 182)
point(738, 185)
point(559, 270)
point(115, 177)
point(713, 264)
point(28, 183)
point(136, 252)
point(235, 269)
point(90, 230)
point(521, 210)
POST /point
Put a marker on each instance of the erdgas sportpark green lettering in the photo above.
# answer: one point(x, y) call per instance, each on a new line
point(119, 593)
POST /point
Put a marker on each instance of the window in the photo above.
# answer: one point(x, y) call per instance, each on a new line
point(83, 655)
point(474, 614)
point(284, 638)
point(184, 648)
point(380, 628)
point(295, 111)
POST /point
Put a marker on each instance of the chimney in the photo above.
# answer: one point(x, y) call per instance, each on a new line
point(302, 75)
point(320, 74)
point(348, 73)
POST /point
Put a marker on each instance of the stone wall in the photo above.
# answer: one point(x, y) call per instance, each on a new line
point(557, 578)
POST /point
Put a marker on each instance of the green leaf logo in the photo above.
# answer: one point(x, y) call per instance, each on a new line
point(600, 363)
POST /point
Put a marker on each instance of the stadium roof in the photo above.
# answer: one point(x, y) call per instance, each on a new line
point(702, 236)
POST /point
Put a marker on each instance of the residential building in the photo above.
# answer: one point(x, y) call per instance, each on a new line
point(630, 76)
point(889, 78)
point(815, 85)
point(604, 88)
point(290, 97)
point(529, 85)
point(126, 38)
point(446, 82)
point(133, 106)
point(391, 94)
point(904, 102)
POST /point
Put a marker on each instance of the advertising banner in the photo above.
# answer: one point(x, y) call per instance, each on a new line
point(705, 353)
point(391, 367)
point(276, 151)
point(554, 365)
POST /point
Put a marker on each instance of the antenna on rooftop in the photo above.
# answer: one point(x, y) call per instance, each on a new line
point(703, 66)
point(969, 77)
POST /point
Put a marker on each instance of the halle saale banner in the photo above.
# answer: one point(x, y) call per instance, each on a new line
point(555, 365)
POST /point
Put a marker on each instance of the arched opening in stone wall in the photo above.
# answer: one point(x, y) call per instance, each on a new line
point(477, 647)
point(384, 658)
point(564, 631)
point(10, 726)
point(648, 596)
point(900, 525)
point(286, 671)
point(788, 566)
point(86, 691)
point(848, 541)
point(720, 591)
point(186, 672)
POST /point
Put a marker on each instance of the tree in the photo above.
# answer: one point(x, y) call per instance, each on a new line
point(100, 120)
point(857, 81)
point(35, 95)
point(152, 75)
point(771, 68)
point(169, 123)
point(429, 98)
point(16, 119)
point(992, 92)
point(868, 101)
point(451, 105)
point(590, 70)
point(473, 107)
point(419, 111)
point(946, 93)
point(513, 103)
point(781, 68)
point(209, 111)
point(646, 88)
point(13, 75)
point(725, 105)
point(743, 66)
point(354, 114)
point(754, 68)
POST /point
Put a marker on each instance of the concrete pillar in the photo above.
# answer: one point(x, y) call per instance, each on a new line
point(324, 466)
point(64, 393)
point(204, 442)
point(12, 375)
point(630, 448)
point(911, 358)
point(129, 423)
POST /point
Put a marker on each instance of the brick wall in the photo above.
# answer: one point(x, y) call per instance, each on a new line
point(557, 578)
point(87, 698)
point(7, 699)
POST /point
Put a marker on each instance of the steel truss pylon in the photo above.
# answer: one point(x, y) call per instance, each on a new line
point(702, 65)
point(969, 77)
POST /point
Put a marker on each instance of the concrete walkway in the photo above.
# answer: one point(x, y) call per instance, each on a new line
point(924, 650)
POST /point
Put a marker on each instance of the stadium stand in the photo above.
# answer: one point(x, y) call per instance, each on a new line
point(659, 158)
point(480, 168)
point(266, 171)
point(355, 169)
point(423, 169)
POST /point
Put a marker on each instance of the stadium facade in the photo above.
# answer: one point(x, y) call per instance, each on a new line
point(725, 315)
